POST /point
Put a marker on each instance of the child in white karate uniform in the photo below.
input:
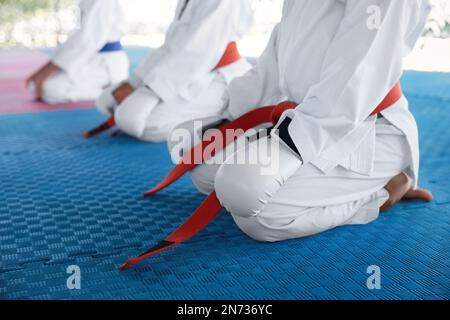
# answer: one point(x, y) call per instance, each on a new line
point(337, 164)
point(90, 60)
point(188, 76)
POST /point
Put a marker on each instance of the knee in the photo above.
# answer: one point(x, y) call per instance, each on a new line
point(203, 178)
point(55, 89)
point(127, 118)
point(254, 229)
point(157, 129)
point(132, 114)
point(243, 190)
point(247, 190)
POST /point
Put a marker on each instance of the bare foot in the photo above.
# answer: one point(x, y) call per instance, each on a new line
point(419, 194)
point(400, 188)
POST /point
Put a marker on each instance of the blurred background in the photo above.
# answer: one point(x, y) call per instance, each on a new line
point(46, 23)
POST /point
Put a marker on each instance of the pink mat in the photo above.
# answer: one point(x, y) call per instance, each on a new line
point(15, 67)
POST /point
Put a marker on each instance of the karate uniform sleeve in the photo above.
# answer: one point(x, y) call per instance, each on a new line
point(95, 27)
point(260, 86)
point(362, 65)
point(193, 48)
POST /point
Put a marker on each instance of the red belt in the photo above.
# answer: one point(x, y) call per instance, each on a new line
point(211, 207)
point(230, 56)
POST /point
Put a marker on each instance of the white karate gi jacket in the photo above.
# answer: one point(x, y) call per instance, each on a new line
point(338, 64)
point(101, 21)
point(194, 44)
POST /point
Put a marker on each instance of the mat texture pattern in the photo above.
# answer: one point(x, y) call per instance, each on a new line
point(67, 201)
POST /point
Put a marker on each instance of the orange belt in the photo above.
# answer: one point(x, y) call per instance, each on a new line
point(211, 207)
point(230, 56)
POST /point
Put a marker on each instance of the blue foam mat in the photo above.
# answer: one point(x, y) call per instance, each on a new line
point(65, 201)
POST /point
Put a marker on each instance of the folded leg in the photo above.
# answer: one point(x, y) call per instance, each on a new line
point(298, 201)
point(62, 88)
point(147, 118)
point(89, 82)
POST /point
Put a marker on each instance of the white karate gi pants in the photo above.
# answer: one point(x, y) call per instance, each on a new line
point(104, 70)
point(150, 119)
point(301, 201)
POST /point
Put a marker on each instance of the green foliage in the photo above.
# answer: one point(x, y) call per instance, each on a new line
point(11, 10)
point(26, 5)
point(438, 25)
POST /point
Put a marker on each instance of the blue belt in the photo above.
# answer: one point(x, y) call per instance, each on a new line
point(112, 46)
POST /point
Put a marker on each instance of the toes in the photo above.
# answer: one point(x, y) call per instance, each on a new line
point(419, 194)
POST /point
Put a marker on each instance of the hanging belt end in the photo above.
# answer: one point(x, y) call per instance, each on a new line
point(87, 135)
point(150, 193)
point(125, 266)
point(100, 129)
